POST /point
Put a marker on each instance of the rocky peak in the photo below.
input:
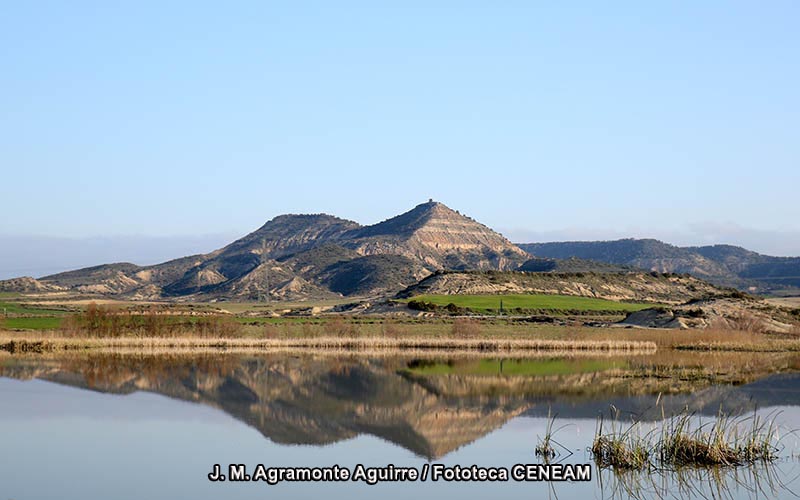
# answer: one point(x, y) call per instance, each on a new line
point(440, 237)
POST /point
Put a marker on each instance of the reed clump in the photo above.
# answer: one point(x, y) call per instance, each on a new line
point(620, 453)
point(620, 449)
point(544, 448)
point(720, 443)
point(723, 444)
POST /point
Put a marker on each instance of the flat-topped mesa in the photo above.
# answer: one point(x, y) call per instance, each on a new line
point(441, 238)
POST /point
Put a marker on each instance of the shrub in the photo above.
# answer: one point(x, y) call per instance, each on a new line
point(394, 330)
point(465, 327)
point(271, 331)
point(338, 327)
point(100, 321)
point(421, 305)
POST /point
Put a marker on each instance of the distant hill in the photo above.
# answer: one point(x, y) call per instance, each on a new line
point(301, 256)
point(629, 286)
point(309, 255)
point(724, 265)
point(571, 265)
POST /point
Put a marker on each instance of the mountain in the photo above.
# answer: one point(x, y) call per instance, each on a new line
point(440, 238)
point(723, 265)
point(311, 255)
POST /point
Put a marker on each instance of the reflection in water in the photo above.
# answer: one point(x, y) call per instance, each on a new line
point(757, 481)
point(435, 408)
point(430, 408)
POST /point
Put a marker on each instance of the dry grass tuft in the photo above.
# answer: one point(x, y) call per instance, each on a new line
point(620, 449)
point(721, 443)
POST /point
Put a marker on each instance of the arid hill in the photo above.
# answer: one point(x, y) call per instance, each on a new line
point(309, 256)
point(631, 286)
point(724, 265)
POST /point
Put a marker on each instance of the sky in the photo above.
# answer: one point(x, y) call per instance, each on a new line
point(546, 121)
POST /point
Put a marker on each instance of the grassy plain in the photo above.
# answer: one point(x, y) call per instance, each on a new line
point(491, 303)
point(33, 319)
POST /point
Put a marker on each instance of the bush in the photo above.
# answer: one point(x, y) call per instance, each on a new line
point(100, 321)
point(421, 305)
point(465, 327)
point(394, 330)
point(271, 331)
point(338, 327)
point(454, 309)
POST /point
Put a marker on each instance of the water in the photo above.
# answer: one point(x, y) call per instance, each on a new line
point(134, 426)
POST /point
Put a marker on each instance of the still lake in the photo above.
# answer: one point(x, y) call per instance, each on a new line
point(134, 426)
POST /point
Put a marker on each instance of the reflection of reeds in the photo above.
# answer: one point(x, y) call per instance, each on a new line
point(758, 480)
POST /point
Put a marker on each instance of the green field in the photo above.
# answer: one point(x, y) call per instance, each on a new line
point(36, 323)
point(491, 303)
point(20, 308)
point(490, 367)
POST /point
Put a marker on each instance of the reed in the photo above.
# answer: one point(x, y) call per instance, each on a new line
point(43, 342)
point(620, 448)
point(545, 448)
point(679, 444)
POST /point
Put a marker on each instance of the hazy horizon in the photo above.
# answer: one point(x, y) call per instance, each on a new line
point(41, 255)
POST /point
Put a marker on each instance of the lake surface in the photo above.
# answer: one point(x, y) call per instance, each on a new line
point(129, 426)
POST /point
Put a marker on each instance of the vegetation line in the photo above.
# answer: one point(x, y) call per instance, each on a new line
point(28, 344)
point(766, 346)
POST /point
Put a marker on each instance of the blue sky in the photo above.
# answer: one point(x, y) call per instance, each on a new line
point(676, 120)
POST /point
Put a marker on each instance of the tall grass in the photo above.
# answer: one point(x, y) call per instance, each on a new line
point(489, 346)
point(726, 441)
point(545, 448)
point(619, 447)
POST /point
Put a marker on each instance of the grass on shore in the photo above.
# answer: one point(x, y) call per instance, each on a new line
point(772, 345)
point(47, 343)
point(154, 321)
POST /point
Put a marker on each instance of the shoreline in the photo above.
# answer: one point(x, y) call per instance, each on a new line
point(31, 344)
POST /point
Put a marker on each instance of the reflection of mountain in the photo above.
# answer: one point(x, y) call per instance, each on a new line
point(429, 409)
point(296, 400)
